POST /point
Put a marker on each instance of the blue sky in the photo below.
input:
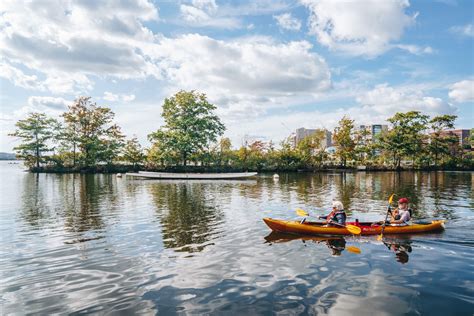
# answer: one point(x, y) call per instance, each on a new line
point(269, 66)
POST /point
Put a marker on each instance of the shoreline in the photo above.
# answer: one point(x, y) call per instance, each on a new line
point(114, 169)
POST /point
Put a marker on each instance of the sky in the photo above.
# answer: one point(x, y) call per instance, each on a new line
point(269, 66)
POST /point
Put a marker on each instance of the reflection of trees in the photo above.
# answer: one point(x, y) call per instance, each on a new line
point(189, 214)
point(83, 196)
point(33, 208)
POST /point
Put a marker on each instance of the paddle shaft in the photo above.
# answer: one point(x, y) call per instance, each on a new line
point(385, 221)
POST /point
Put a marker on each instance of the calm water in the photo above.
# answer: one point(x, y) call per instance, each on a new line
point(100, 244)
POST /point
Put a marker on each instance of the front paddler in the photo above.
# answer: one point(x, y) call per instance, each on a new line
point(337, 215)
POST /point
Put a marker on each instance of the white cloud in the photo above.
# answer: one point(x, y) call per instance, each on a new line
point(415, 49)
point(462, 91)
point(465, 30)
point(19, 78)
point(109, 96)
point(68, 42)
point(204, 13)
point(48, 102)
point(384, 99)
point(358, 28)
point(256, 70)
point(288, 22)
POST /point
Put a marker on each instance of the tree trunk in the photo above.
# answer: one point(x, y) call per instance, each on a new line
point(74, 155)
point(184, 158)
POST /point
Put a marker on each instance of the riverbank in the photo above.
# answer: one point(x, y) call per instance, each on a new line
point(229, 169)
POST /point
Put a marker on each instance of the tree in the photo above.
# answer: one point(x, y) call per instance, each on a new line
point(133, 152)
point(405, 138)
point(440, 141)
point(190, 125)
point(97, 138)
point(310, 149)
point(343, 140)
point(35, 131)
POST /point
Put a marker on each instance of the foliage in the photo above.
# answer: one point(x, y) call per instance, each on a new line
point(97, 138)
point(35, 131)
point(133, 152)
point(190, 125)
point(441, 143)
point(344, 141)
point(405, 139)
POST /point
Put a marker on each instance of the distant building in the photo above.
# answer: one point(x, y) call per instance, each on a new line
point(373, 130)
point(302, 133)
point(463, 135)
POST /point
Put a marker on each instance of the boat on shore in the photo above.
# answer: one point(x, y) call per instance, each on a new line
point(191, 176)
point(319, 228)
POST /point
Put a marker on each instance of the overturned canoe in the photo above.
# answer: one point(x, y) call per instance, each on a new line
point(317, 228)
point(169, 175)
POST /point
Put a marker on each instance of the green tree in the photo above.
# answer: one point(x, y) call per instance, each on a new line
point(133, 152)
point(35, 132)
point(97, 138)
point(405, 139)
point(343, 140)
point(190, 125)
point(440, 141)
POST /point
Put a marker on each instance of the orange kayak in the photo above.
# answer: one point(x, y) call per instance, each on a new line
point(316, 228)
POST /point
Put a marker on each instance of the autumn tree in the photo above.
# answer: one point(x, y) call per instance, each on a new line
point(98, 139)
point(343, 140)
point(190, 125)
point(133, 152)
point(35, 133)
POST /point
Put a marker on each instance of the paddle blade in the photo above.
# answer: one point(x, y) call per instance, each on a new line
point(354, 229)
point(353, 249)
point(301, 212)
point(390, 199)
point(379, 237)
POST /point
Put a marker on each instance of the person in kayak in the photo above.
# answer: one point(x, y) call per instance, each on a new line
point(337, 217)
point(402, 214)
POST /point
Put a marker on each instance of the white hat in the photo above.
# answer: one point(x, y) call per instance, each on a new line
point(338, 205)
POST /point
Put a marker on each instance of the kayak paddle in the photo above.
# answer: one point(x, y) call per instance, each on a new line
point(351, 228)
point(390, 199)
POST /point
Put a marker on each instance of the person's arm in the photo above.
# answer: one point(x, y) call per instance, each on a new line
point(405, 217)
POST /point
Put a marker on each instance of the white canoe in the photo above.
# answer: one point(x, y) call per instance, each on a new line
point(169, 175)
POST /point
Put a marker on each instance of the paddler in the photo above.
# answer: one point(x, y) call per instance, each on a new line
point(337, 216)
point(402, 214)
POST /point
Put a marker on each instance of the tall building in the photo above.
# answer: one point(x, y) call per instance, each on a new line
point(374, 130)
point(302, 133)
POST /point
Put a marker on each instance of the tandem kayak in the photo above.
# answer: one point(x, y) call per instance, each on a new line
point(317, 228)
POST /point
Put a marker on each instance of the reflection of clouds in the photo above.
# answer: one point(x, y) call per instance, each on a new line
point(373, 296)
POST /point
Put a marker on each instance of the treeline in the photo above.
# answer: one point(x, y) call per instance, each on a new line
point(86, 139)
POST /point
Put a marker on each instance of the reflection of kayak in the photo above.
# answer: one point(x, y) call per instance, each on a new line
point(315, 228)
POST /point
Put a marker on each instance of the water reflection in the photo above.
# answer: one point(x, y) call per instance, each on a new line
point(96, 244)
point(401, 248)
point(337, 244)
point(189, 214)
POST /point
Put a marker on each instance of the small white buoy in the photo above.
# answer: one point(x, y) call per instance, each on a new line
point(276, 176)
point(119, 175)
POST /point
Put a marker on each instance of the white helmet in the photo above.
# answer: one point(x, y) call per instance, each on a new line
point(338, 205)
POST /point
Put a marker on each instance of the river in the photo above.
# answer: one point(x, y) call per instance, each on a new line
point(100, 244)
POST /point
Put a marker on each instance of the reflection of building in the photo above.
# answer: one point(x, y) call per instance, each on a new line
point(373, 131)
point(462, 134)
point(302, 133)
